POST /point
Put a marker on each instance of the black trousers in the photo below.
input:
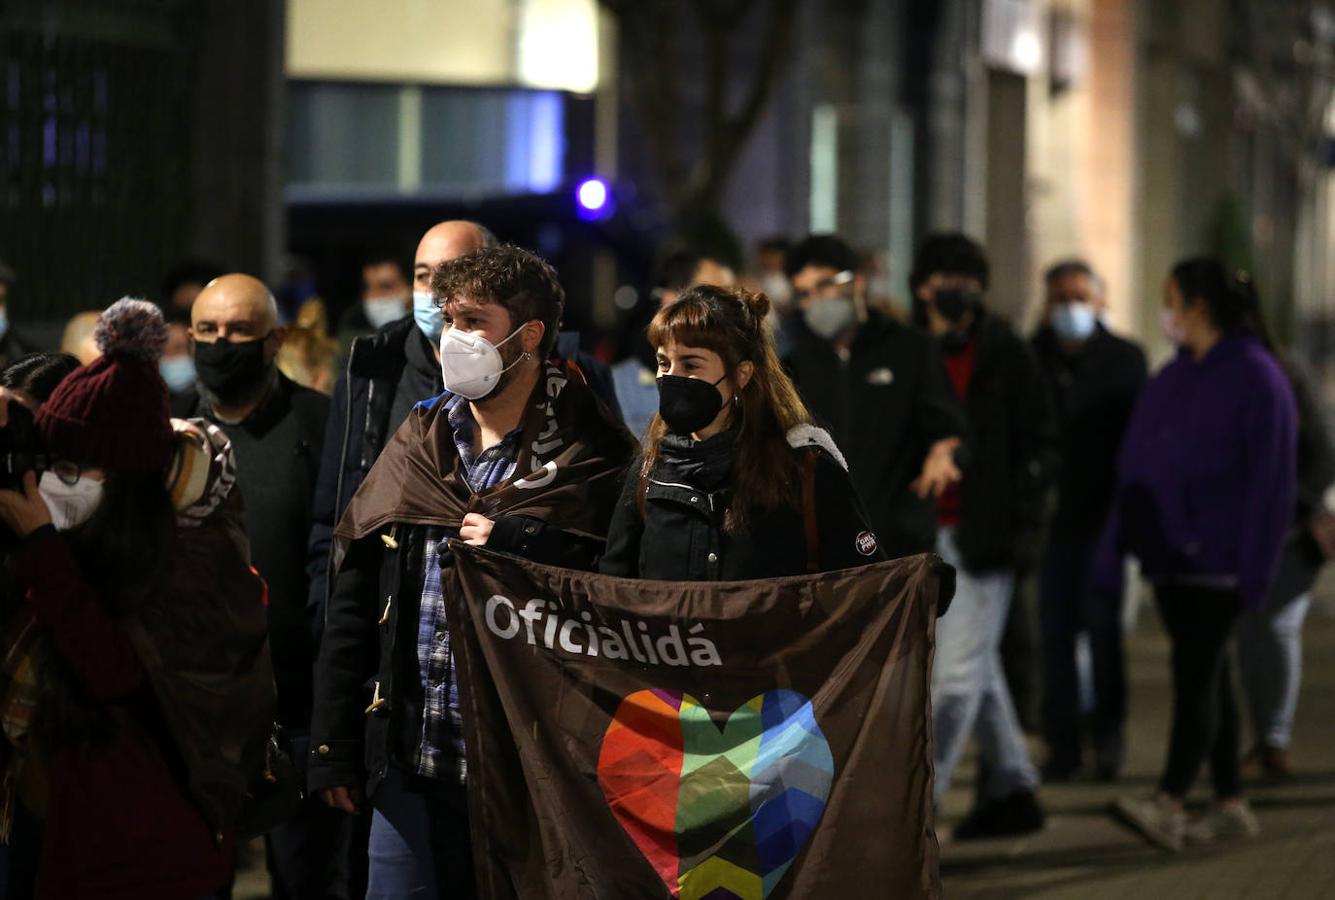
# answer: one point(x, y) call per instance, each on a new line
point(319, 853)
point(1200, 621)
point(1021, 650)
point(1069, 606)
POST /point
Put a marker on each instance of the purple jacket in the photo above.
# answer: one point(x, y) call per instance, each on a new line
point(1207, 473)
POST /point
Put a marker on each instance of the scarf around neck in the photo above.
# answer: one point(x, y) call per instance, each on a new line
point(572, 453)
point(706, 464)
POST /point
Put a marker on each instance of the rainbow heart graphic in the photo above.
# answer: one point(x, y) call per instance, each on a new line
point(719, 814)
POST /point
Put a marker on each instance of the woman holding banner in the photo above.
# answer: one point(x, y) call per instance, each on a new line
point(734, 482)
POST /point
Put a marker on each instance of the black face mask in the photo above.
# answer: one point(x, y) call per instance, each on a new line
point(952, 305)
point(687, 404)
point(231, 370)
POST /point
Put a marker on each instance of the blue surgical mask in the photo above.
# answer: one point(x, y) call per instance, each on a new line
point(178, 372)
point(1074, 321)
point(430, 318)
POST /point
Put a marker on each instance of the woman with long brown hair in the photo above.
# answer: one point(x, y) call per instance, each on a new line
point(734, 482)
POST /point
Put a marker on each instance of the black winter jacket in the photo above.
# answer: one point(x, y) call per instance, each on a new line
point(387, 374)
point(277, 452)
point(1094, 391)
point(370, 646)
point(885, 404)
point(680, 535)
point(1012, 453)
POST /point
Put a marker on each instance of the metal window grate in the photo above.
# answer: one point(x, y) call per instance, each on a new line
point(93, 188)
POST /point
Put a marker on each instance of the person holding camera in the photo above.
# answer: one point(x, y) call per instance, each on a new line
point(154, 691)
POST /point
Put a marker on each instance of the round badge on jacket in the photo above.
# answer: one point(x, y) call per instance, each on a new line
point(865, 543)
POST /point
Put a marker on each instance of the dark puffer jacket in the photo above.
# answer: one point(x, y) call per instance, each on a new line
point(680, 534)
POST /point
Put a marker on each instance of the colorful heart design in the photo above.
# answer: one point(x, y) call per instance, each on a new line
point(719, 814)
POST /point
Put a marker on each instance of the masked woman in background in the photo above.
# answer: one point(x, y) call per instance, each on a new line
point(140, 639)
point(734, 482)
point(1205, 497)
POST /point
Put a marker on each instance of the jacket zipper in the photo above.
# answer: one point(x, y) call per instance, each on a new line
point(708, 496)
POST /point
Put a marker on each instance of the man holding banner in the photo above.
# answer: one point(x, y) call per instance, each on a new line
point(517, 454)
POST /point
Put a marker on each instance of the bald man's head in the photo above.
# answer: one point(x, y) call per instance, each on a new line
point(235, 308)
point(444, 242)
point(78, 337)
point(235, 336)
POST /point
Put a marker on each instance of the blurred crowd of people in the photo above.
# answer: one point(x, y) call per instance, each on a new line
point(827, 427)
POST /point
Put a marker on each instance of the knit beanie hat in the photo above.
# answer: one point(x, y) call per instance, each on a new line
point(113, 413)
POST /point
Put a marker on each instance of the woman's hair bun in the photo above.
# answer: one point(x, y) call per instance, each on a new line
point(756, 301)
point(1244, 290)
point(132, 328)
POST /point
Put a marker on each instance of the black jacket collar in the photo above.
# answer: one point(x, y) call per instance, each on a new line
point(385, 352)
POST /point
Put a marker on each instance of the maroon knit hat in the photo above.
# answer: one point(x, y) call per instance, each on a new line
point(113, 413)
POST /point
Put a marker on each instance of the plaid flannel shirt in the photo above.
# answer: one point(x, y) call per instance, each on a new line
point(440, 753)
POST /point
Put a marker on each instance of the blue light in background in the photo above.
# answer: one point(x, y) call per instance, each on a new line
point(534, 141)
point(592, 195)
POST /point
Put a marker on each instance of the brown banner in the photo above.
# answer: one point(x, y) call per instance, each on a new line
point(760, 739)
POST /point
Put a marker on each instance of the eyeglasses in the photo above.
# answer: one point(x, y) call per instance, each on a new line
point(68, 472)
point(826, 286)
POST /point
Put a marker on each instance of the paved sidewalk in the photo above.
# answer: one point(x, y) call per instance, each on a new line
point(1083, 853)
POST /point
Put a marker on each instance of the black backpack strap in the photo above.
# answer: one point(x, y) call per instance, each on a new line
point(809, 510)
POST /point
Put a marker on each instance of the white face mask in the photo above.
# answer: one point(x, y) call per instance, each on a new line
point(1172, 328)
point(471, 365)
point(831, 317)
point(779, 290)
point(380, 311)
point(70, 504)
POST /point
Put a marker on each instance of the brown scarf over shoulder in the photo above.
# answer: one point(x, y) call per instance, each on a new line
point(572, 453)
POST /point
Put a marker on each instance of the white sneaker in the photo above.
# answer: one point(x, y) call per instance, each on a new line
point(1224, 821)
point(1157, 819)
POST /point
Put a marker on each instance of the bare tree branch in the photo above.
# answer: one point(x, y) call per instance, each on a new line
point(648, 29)
point(734, 132)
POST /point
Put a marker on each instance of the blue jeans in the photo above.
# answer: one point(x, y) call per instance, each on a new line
point(969, 693)
point(420, 842)
point(1270, 657)
point(400, 849)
